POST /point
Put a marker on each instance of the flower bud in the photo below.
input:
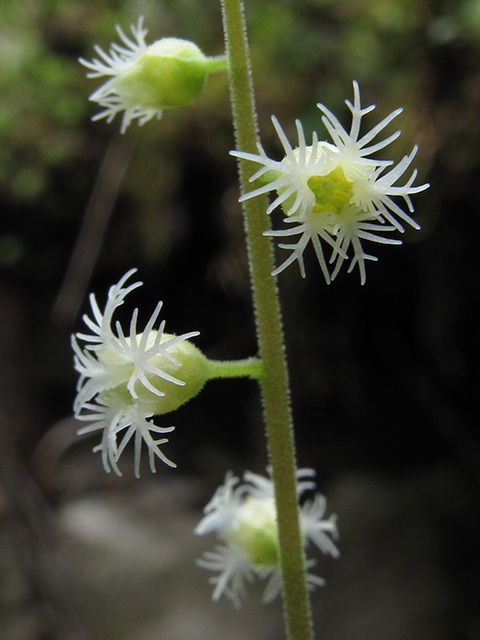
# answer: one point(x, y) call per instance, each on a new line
point(146, 79)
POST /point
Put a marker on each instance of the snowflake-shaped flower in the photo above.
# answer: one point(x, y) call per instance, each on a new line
point(244, 518)
point(126, 379)
point(336, 193)
point(146, 79)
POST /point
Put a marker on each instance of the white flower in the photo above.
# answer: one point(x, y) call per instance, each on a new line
point(146, 79)
point(337, 231)
point(125, 380)
point(119, 359)
point(244, 518)
point(336, 193)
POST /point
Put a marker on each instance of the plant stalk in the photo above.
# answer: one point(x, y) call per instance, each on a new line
point(274, 381)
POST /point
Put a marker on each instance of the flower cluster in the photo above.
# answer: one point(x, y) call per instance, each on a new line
point(146, 79)
point(336, 192)
point(244, 517)
point(125, 380)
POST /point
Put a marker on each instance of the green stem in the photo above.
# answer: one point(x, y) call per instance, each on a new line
point(274, 382)
point(251, 368)
point(216, 63)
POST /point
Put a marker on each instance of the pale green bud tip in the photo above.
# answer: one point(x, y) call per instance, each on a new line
point(126, 379)
point(145, 80)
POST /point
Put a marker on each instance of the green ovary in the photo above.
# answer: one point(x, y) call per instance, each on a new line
point(331, 191)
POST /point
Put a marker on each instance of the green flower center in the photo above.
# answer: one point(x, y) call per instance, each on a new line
point(331, 191)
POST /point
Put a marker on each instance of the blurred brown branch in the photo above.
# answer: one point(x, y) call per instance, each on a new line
point(92, 231)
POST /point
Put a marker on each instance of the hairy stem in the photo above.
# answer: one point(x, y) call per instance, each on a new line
point(274, 381)
point(249, 368)
point(216, 63)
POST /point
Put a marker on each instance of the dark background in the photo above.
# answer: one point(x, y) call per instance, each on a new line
point(384, 377)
